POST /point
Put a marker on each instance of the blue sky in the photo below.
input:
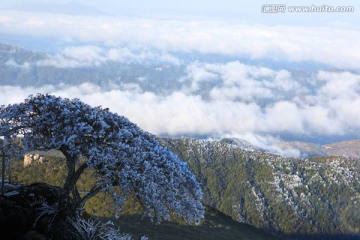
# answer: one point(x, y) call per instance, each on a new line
point(245, 11)
point(210, 27)
point(92, 33)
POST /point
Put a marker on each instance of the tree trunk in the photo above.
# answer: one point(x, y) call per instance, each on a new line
point(68, 204)
point(71, 203)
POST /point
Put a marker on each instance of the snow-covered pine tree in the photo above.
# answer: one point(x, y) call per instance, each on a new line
point(118, 150)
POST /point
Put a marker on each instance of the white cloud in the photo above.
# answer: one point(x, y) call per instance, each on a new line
point(239, 82)
point(14, 94)
point(94, 56)
point(318, 119)
point(127, 55)
point(242, 99)
point(60, 61)
point(84, 53)
point(283, 117)
point(340, 85)
point(14, 64)
point(268, 143)
point(188, 114)
point(321, 112)
point(325, 104)
point(347, 113)
point(334, 46)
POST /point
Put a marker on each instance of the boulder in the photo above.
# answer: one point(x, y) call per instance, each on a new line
point(33, 158)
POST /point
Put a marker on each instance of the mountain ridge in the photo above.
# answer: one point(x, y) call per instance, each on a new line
point(348, 148)
point(319, 194)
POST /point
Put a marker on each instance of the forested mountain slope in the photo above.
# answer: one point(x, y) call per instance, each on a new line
point(295, 197)
point(315, 198)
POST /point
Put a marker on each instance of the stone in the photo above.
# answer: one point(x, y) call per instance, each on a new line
point(33, 158)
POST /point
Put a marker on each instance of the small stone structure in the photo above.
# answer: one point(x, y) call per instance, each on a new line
point(31, 158)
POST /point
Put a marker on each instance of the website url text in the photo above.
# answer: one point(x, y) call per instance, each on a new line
point(282, 8)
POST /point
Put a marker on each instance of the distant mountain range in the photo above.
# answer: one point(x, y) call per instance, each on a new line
point(350, 149)
point(346, 148)
point(21, 67)
point(151, 71)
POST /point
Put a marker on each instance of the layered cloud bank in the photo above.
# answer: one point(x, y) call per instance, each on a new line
point(244, 100)
point(336, 46)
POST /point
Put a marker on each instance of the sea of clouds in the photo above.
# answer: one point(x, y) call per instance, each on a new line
point(255, 102)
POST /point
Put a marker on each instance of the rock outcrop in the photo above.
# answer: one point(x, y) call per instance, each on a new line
point(33, 158)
